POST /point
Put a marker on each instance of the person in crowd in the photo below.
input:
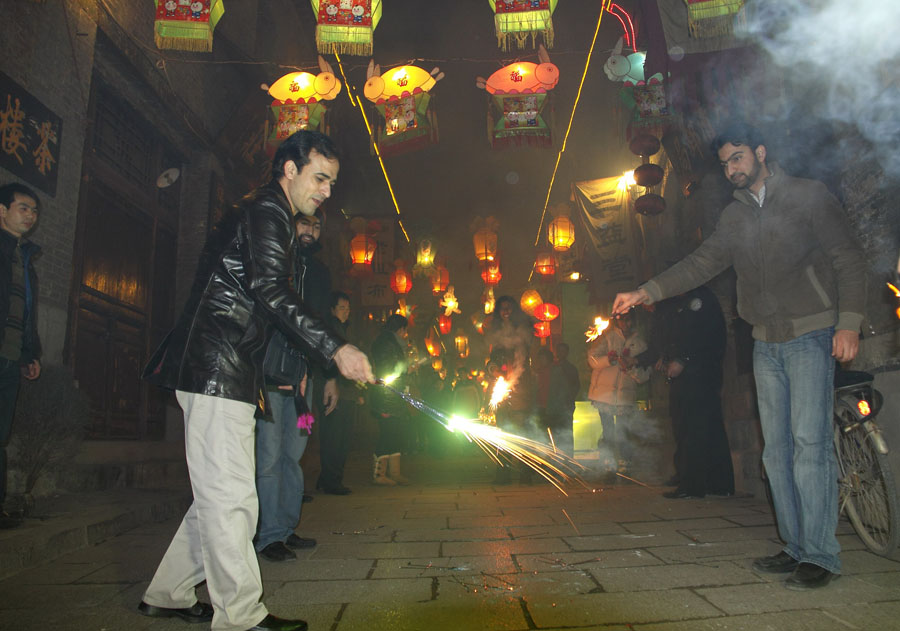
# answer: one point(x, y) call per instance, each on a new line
point(389, 360)
point(335, 429)
point(615, 374)
point(280, 439)
point(801, 285)
point(565, 384)
point(20, 346)
point(213, 360)
point(693, 366)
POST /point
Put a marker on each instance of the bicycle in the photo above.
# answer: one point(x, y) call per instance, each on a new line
point(868, 490)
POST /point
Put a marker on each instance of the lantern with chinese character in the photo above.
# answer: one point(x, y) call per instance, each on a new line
point(445, 324)
point(401, 279)
point(298, 103)
point(490, 272)
point(561, 231)
point(346, 26)
point(547, 311)
point(519, 98)
point(529, 301)
point(517, 21)
point(545, 264)
point(401, 96)
point(484, 238)
point(440, 279)
point(542, 330)
point(186, 25)
point(362, 247)
point(462, 344)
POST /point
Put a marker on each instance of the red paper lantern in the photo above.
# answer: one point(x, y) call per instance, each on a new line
point(545, 264)
point(648, 174)
point(445, 324)
point(644, 145)
point(401, 279)
point(362, 251)
point(649, 204)
point(542, 329)
point(546, 311)
point(490, 272)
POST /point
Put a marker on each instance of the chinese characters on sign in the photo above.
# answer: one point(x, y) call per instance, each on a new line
point(29, 136)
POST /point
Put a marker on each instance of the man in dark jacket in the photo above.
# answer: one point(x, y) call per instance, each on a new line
point(801, 285)
point(213, 360)
point(20, 347)
point(692, 362)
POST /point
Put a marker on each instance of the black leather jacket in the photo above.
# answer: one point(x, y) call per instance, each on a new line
point(31, 343)
point(242, 289)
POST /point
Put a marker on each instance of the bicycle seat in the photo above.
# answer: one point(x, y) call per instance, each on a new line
point(844, 378)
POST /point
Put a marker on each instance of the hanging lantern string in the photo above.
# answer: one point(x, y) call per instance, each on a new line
point(587, 65)
point(362, 110)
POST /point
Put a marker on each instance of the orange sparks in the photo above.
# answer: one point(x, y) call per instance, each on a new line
point(600, 325)
point(897, 294)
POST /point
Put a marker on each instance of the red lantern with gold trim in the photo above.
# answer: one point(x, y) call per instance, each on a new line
point(545, 264)
point(490, 272)
point(362, 247)
point(546, 311)
point(401, 279)
point(542, 329)
point(445, 324)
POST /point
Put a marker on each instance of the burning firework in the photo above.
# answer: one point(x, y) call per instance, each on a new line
point(600, 325)
point(504, 448)
point(501, 390)
point(897, 294)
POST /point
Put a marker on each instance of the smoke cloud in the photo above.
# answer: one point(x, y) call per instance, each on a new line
point(846, 53)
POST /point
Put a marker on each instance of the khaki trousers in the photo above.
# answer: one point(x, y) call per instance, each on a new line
point(214, 541)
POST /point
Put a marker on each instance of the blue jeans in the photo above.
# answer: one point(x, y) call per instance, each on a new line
point(279, 478)
point(795, 390)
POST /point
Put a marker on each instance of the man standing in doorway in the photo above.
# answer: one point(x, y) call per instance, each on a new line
point(20, 347)
point(213, 361)
point(801, 285)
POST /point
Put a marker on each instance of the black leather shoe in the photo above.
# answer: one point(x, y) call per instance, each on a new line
point(681, 495)
point(780, 563)
point(298, 543)
point(272, 623)
point(277, 552)
point(809, 576)
point(307, 498)
point(199, 612)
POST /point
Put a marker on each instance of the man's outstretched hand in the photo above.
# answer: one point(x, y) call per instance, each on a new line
point(354, 364)
point(627, 300)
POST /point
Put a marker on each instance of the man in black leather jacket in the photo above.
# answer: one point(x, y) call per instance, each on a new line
point(19, 343)
point(213, 360)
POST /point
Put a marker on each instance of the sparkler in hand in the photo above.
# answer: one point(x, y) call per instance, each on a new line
point(600, 325)
point(897, 294)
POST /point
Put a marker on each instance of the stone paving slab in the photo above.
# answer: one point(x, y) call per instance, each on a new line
point(679, 525)
point(567, 530)
point(789, 620)
point(586, 560)
point(621, 608)
point(355, 550)
point(627, 541)
point(513, 546)
point(444, 567)
point(663, 577)
point(451, 534)
point(469, 615)
point(397, 590)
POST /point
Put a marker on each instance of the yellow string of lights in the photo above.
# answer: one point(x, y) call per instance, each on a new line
point(587, 64)
point(362, 110)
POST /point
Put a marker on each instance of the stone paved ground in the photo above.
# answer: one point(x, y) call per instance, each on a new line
point(454, 552)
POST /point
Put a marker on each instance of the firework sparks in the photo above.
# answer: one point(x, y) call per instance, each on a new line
point(505, 448)
point(501, 390)
point(600, 325)
point(897, 294)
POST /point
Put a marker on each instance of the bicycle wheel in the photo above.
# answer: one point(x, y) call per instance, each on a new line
point(868, 492)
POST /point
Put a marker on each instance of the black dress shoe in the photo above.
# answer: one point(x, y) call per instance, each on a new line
point(272, 623)
point(198, 612)
point(682, 495)
point(307, 498)
point(277, 552)
point(780, 563)
point(809, 576)
point(298, 543)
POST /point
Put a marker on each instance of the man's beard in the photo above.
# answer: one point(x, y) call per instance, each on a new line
point(750, 177)
point(306, 240)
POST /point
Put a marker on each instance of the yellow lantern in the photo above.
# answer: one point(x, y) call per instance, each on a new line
point(437, 363)
point(516, 22)
point(561, 233)
point(529, 301)
point(462, 344)
point(362, 247)
point(484, 238)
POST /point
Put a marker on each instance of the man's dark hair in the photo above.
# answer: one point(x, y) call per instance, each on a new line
point(738, 132)
point(297, 146)
point(8, 193)
point(396, 322)
point(562, 349)
point(336, 297)
point(318, 214)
